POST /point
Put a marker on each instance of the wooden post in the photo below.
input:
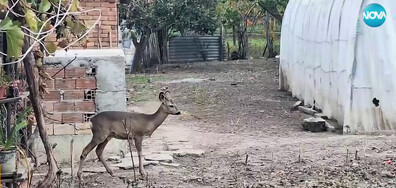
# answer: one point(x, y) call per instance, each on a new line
point(111, 42)
point(72, 162)
point(221, 56)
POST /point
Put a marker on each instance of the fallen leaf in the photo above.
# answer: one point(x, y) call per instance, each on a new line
point(45, 5)
point(63, 43)
point(51, 47)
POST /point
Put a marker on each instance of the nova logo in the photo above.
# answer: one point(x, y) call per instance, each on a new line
point(374, 15)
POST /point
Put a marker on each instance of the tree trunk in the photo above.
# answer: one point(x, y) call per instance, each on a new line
point(163, 45)
point(35, 101)
point(137, 63)
point(138, 58)
point(270, 44)
point(233, 35)
point(243, 42)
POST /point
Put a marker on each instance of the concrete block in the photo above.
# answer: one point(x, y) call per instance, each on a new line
point(296, 105)
point(159, 157)
point(64, 129)
point(189, 152)
point(314, 124)
point(307, 110)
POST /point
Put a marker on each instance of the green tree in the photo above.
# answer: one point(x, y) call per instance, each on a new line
point(275, 8)
point(27, 24)
point(235, 14)
point(164, 17)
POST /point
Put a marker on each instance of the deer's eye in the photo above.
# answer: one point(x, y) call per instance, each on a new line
point(171, 106)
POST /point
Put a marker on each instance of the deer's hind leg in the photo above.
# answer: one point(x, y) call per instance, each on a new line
point(94, 142)
point(99, 153)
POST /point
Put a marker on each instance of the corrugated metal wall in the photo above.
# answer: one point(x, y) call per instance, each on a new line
point(196, 48)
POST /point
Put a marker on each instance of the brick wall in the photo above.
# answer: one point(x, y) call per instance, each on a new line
point(107, 31)
point(71, 99)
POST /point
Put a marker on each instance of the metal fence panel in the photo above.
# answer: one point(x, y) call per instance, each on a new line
point(196, 48)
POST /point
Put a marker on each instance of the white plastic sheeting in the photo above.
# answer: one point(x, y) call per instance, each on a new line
point(330, 57)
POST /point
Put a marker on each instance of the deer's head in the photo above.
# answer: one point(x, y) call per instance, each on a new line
point(168, 104)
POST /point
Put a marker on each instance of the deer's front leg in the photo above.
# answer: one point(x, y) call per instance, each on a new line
point(138, 144)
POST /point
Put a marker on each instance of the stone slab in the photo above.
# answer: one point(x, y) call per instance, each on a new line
point(159, 157)
point(189, 152)
point(307, 110)
point(314, 124)
point(170, 164)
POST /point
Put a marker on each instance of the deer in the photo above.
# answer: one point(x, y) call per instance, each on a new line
point(126, 126)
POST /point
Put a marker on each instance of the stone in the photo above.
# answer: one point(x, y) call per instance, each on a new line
point(175, 147)
point(126, 163)
point(330, 127)
point(128, 159)
point(296, 105)
point(189, 152)
point(159, 157)
point(307, 110)
point(321, 115)
point(114, 158)
point(314, 124)
point(170, 164)
point(88, 169)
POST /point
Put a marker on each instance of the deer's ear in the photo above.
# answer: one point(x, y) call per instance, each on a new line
point(162, 96)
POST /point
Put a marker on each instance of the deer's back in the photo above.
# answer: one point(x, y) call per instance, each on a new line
point(114, 120)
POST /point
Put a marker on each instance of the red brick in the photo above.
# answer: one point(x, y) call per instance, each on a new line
point(50, 84)
point(52, 71)
point(52, 96)
point(109, 23)
point(90, 44)
point(64, 107)
point(92, 4)
point(86, 83)
point(53, 118)
point(112, 18)
point(75, 72)
point(110, 5)
point(109, 13)
point(73, 95)
point(93, 13)
point(49, 106)
point(85, 106)
point(72, 118)
point(65, 84)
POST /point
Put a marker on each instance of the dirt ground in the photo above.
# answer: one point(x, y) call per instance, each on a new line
point(234, 111)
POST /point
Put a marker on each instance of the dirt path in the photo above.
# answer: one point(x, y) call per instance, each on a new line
point(233, 110)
